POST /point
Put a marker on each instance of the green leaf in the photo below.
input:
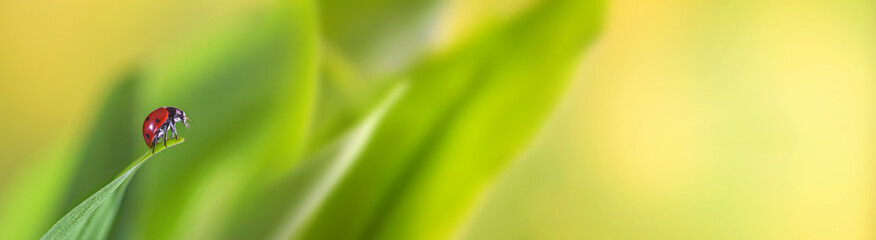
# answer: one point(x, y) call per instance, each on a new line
point(93, 218)
point(469, 113)
point(95, 162)
point(340, 158)
point(284, 208)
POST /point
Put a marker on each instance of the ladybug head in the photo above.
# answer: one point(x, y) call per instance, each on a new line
point(178, 115)
point(185, 119)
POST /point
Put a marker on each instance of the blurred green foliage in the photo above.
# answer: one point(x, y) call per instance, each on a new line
point(316, 120)
point(440, 119)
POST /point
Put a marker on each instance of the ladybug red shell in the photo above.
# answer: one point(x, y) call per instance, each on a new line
point(158, 122)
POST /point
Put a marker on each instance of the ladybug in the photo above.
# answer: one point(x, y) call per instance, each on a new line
point(159, 121)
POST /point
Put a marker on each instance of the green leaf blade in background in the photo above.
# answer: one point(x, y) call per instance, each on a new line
point(341, 157)
point(468, 114)
point(92, 218)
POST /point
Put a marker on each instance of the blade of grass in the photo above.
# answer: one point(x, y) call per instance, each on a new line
point(468, 113)
point(347, 152)
point(96, 163)
point(76, 167)
point(92, 218)
point(273, 209)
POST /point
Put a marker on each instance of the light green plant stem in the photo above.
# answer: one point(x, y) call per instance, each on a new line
point(84, 222)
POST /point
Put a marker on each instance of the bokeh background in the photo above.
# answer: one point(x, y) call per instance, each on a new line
point(490, 119)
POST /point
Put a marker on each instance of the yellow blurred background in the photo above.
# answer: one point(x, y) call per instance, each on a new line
point(683, 120)
point(707, 120)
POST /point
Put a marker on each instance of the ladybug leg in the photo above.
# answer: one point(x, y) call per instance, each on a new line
point(173, 130)
point(155, 141)
point(174, 133)
point(161, 133)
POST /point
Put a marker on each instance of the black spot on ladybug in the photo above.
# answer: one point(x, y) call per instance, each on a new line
point(147, 119)
point(156, 120)
point(147, 135)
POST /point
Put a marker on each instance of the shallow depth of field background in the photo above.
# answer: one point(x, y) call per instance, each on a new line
point(493, 119)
